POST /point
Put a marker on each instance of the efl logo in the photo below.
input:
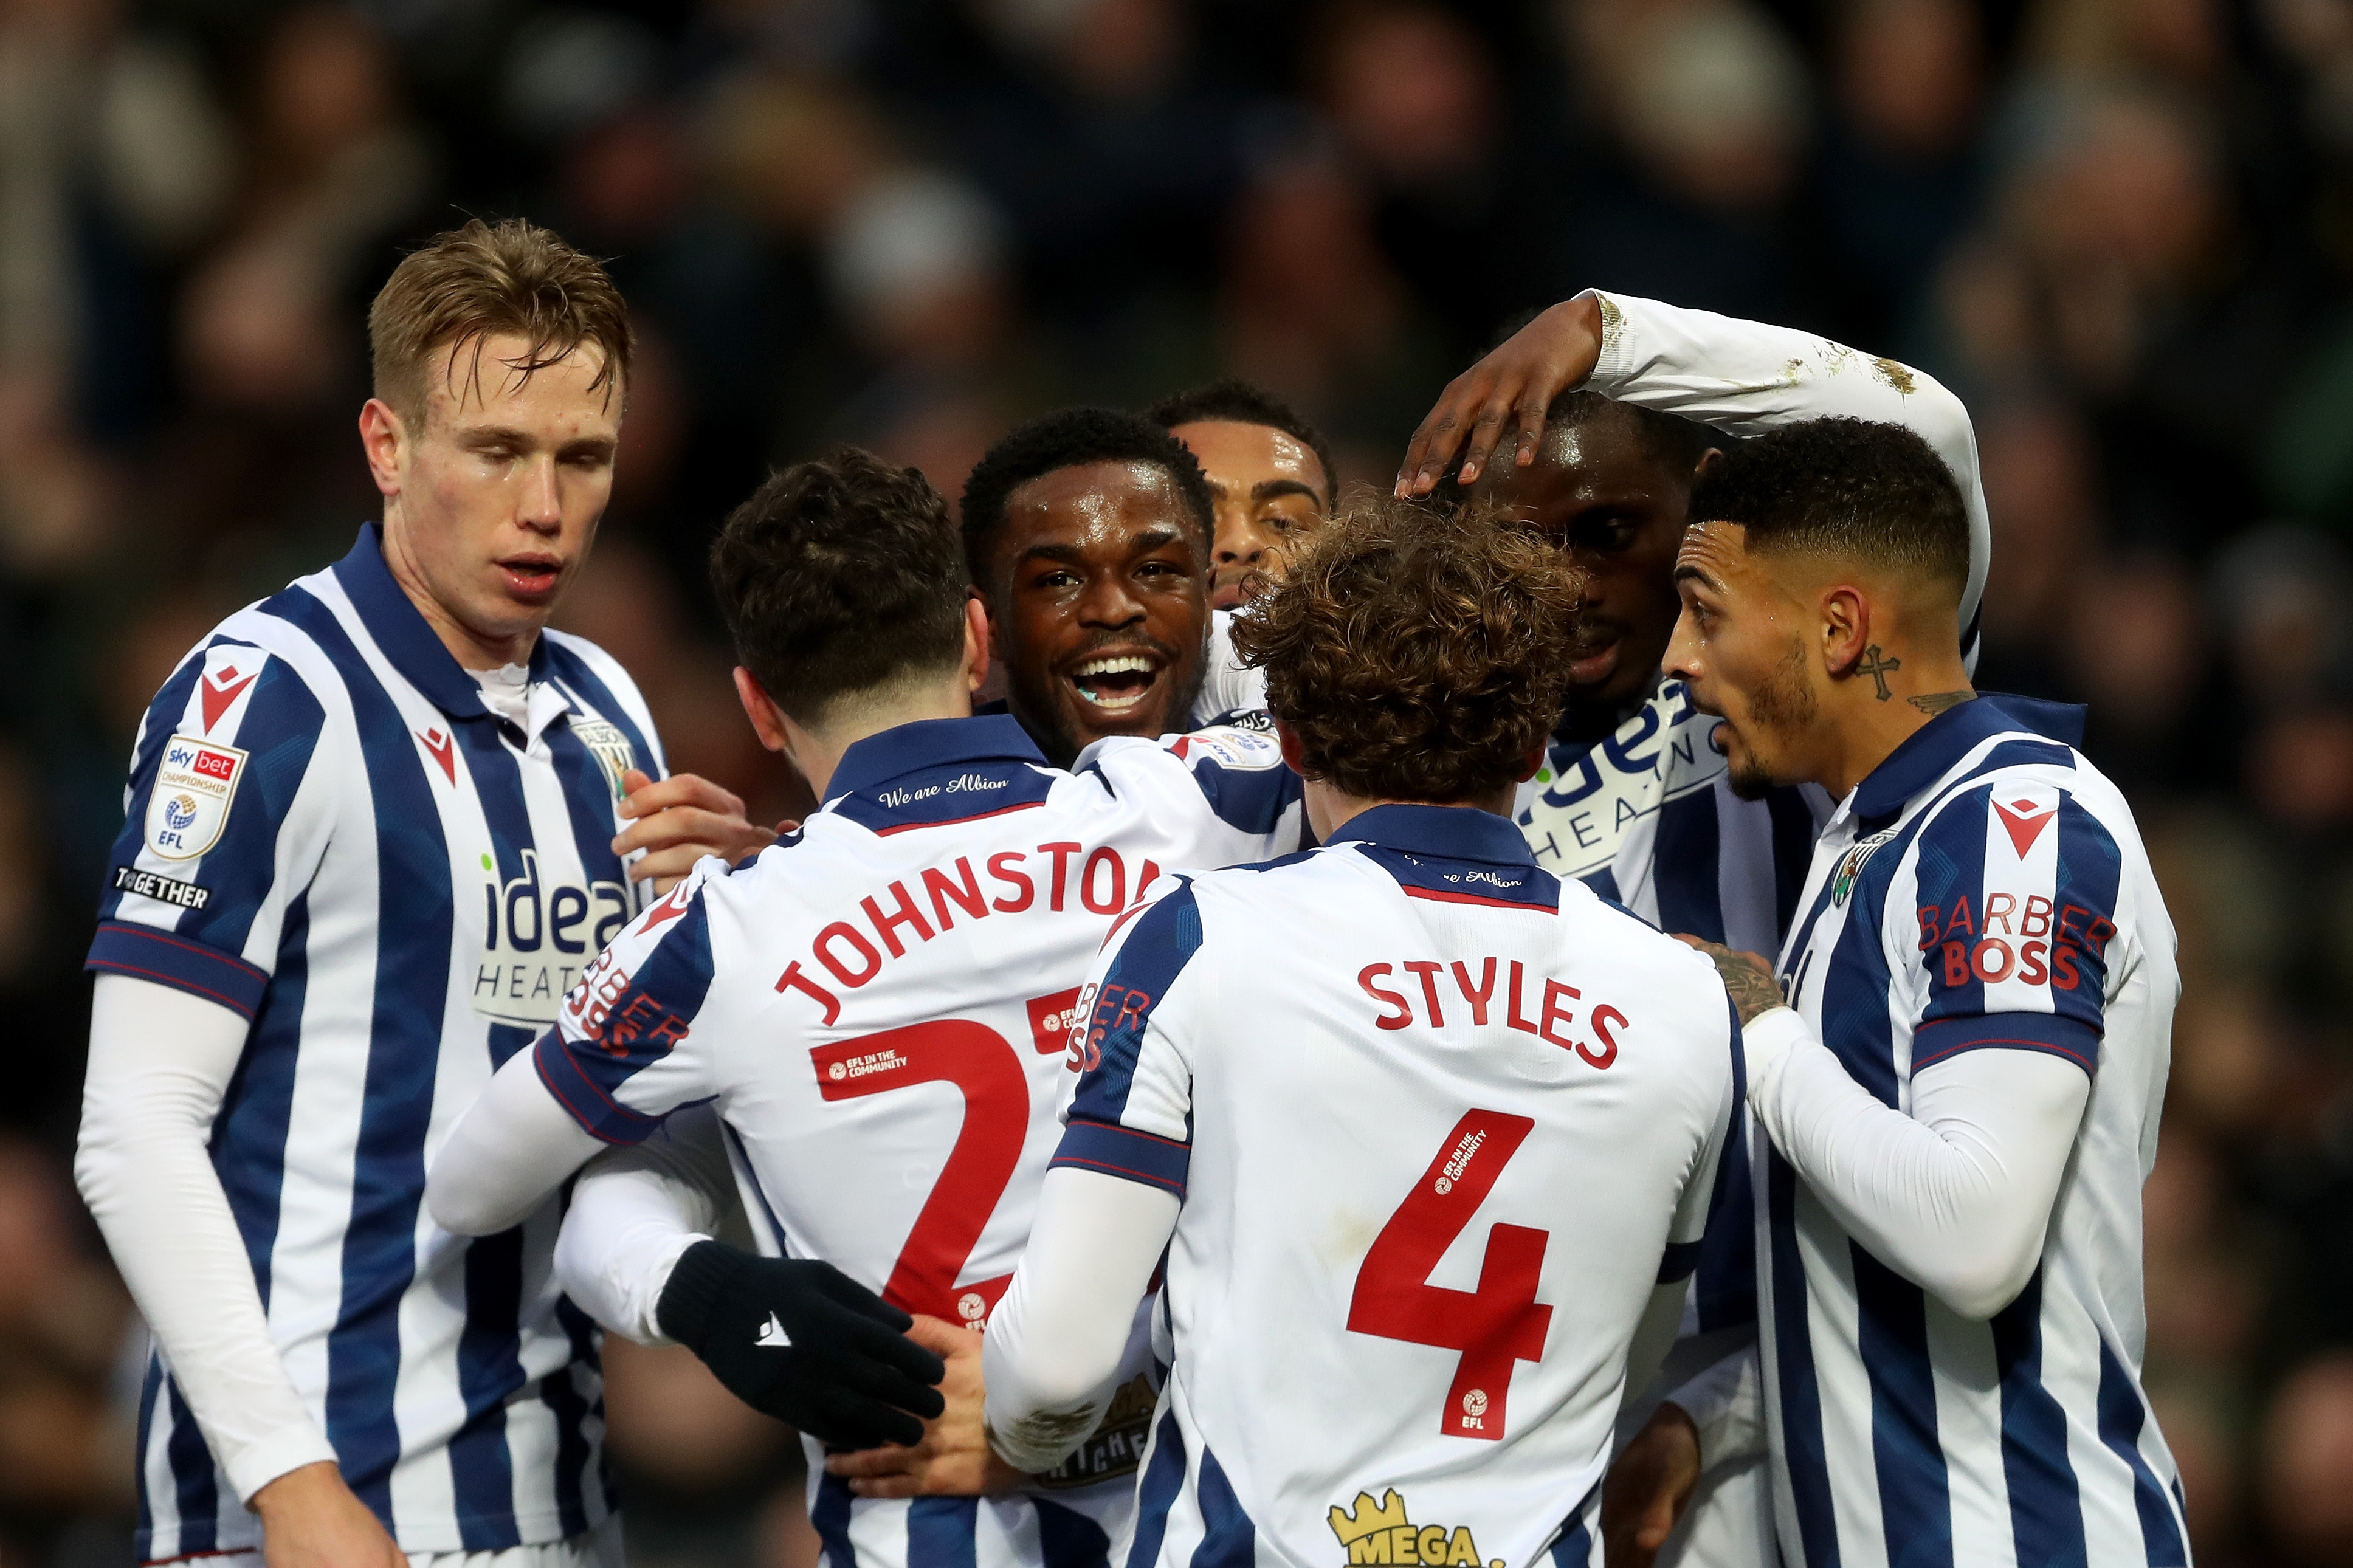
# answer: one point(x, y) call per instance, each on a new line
point(195, 785)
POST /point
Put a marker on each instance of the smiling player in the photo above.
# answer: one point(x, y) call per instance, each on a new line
point(1088, 534)
point(1424, 1190)
point(875, 1009)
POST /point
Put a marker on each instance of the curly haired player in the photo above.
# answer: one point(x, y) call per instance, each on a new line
point(1402, 1316)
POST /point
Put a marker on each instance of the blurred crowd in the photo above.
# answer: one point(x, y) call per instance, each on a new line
point(2121, 229)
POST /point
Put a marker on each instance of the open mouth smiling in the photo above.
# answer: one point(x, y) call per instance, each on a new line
point(1116, 682)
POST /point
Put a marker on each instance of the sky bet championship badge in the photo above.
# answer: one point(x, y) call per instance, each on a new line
point(193, 791)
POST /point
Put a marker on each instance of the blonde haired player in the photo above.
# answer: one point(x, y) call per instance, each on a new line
point(378, 823)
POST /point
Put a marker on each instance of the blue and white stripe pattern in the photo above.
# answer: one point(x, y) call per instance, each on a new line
point(329, 833)
point(1647, 818)
point(1984, 889)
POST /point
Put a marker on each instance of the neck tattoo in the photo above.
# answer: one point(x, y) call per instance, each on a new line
point(1936, 702)
point(1877, 667)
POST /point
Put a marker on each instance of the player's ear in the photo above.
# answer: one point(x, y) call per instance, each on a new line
point(1294, 756)
point(383, 437)
point(768, 719)
point(1532, 761)
point(975, 643)
point(1845, 630)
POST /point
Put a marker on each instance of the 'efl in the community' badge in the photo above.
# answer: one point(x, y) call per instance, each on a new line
point(193, 791)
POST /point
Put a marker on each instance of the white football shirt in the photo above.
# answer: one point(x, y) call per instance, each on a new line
point(879, 1006)
point(1433, 1160)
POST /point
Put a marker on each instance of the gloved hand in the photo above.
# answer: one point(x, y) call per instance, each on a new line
point(803, 1341)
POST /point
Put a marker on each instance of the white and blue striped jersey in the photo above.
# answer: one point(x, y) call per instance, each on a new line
point(879, 1006)
point(1646, 817)
point(329, 833)
point(1432, 1163)
point(1985, 888)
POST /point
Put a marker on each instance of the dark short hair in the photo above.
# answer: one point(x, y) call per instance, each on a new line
point(1068, 438)
point(1419, 653)
point(839, 576)
point(1240, 403)
point(1862, 491)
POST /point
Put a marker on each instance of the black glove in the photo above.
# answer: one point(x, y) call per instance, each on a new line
point(804, 1342)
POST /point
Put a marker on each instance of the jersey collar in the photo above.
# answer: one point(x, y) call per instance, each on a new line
point(412, 646)
point(875, 760)
point(1930, 752)
point(1443, 832)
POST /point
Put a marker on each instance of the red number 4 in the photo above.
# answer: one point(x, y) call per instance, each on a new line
point(1499, 1323)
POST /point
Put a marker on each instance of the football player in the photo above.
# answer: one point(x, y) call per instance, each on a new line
point(1963, 1089)
point(873, 1012)
point(379, 824)
point(1421, 1187)
point(1611, 406)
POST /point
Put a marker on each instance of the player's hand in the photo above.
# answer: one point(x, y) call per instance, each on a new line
point(679, 821)
point(803, 1341)
point(1508, 390)
point(310, 1518)
point(1649, 1486)
point(1747, 977)
point(953, 1459)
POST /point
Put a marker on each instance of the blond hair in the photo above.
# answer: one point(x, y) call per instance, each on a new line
point(483, 280)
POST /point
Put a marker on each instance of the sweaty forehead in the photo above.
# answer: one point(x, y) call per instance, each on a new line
point(1578, 464)
point(462, 388)
point(1717, 550)
point(1237, 455)
point(1108, 502)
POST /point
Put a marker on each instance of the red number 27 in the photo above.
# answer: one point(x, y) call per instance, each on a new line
point(1499, 1323)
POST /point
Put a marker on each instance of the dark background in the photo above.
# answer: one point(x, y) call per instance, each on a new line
point(2122, 229)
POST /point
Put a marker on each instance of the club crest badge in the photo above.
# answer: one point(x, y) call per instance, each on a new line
point(1852, 867)
point(610, 744)
point(194, 786)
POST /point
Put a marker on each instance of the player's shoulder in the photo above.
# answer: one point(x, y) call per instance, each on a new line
point(1237, 744)
point(598, 678)
point(1601, 931)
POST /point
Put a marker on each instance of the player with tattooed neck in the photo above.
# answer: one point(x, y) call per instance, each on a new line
point(1962, 1090)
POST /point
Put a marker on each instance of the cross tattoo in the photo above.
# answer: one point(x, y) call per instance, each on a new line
point(1877, 667)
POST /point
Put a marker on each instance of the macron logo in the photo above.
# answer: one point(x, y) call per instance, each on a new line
point(443, 749)
point(772, 1335)
point(2025, 819)
point(217, 691)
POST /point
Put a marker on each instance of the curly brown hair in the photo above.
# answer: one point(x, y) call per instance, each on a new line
point(1418, 655)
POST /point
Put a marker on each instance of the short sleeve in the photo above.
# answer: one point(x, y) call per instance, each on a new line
point(224, 828)
point(1225, 794)
point(1131, 1115)
point(2013, 927)
point(624, 1051)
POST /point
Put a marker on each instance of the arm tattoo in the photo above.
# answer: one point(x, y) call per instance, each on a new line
point(1753, 991)
point(1877, 667)
point(1936, 702)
